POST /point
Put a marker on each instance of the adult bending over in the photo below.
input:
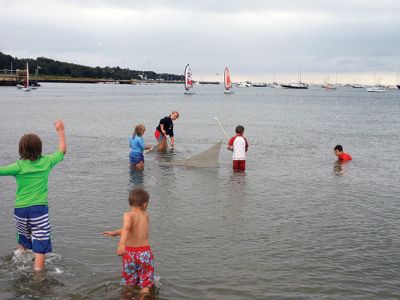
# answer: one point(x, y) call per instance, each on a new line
point(164, 128)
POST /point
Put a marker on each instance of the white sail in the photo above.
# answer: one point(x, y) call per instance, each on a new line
point(188, 78)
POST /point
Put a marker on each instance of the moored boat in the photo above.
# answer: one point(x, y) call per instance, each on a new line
point(357, 86)
point(295, 85)
point(376, 89)
point(328, 86)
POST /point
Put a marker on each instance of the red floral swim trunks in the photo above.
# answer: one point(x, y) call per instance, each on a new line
point(138, 267)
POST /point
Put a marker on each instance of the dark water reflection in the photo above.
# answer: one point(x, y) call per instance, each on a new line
point(296, 225)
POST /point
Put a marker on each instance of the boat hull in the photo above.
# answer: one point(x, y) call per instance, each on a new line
point(288, 86)
point(375, 90)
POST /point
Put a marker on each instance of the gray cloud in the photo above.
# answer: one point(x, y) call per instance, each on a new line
point(253, 37)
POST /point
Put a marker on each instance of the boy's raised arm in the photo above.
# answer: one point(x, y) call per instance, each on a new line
point(62, 145)
point(126, 227)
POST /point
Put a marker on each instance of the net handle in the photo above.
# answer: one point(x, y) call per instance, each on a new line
point(220, 126)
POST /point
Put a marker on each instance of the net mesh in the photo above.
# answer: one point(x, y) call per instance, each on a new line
point(205, 159)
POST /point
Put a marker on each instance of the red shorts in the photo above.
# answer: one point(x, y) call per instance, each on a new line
point(138, 267)
point(239, 165)
point(158, 135)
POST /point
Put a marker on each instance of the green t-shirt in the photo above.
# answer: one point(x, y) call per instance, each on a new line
point(32, 178)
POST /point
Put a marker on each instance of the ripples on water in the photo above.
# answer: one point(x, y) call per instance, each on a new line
point(296, 225)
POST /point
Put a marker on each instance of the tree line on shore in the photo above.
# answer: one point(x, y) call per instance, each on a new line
point(50, 67)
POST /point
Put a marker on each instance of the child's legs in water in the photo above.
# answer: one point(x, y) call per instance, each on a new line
point(239, 165)
point(139, 166)
point(137, 160)
point(143, 293)
point(39, 262)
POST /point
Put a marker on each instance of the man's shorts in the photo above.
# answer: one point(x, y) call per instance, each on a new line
point(239, 165)
point(138, 267)
point(136, 157)
point(33, 228)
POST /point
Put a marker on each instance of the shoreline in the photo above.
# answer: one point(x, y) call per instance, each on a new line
point(11, 80)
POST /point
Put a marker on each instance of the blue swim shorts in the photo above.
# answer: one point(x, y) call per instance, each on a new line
point(136, 157)
point(33, 228)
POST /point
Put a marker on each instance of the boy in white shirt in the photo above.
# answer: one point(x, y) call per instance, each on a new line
point(238, 144)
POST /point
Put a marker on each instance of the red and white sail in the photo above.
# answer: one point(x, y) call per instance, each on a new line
point(188, 78)
point(227, 79)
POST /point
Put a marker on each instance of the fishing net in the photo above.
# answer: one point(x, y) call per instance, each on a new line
point(205, 159)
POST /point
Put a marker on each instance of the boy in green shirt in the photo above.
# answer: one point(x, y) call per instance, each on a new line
point(31, 207)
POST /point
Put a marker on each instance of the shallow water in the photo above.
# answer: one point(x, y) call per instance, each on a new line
point(296, 225)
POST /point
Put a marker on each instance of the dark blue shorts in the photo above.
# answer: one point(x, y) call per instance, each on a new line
point(136, 157)
point(33, 228)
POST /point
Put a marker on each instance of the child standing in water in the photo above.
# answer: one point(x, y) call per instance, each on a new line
point(134, 247)
point(342, 156)
point(238, 144)
point(136, 142)
point(31, 207)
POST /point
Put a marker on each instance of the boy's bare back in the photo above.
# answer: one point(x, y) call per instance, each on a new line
point(135, 226)
point(137, 221)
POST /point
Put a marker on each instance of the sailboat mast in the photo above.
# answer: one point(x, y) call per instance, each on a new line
point(27, 75)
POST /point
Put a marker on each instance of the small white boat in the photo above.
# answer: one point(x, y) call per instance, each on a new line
point(243, 84)
point(376, 89)
point(227, 82)
point(328, 87)
point(259, 84)
point(274, 85)
point(188, 81)
point(357, 86)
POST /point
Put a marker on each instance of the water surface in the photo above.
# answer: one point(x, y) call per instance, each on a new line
point(296, 225)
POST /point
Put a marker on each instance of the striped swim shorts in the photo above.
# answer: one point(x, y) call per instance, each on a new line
point(33, 228)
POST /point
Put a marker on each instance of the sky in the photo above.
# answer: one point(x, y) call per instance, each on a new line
point(344, 41)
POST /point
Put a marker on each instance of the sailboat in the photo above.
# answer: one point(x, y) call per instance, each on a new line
point(376, 89)
point(327, 85)
point(397, 81)
point(296, 85)
point(188, 81)
point(227, 82)
point(26, 87)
